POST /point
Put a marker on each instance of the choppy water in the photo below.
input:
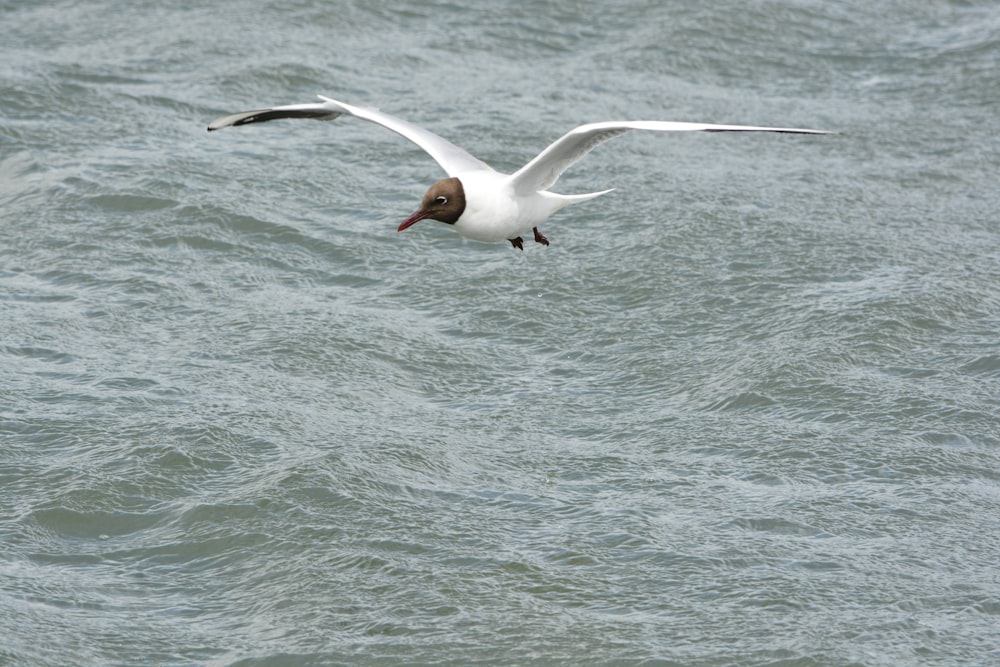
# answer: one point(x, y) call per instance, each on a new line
point(743, 411)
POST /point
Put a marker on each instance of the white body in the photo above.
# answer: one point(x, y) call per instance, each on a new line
point(495, 212)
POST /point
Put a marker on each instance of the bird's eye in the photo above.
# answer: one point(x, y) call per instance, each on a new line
point(442, 200)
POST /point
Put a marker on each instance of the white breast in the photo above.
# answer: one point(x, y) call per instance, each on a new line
point(494, 213)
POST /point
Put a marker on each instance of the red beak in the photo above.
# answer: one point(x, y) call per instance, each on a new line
point(412, 220)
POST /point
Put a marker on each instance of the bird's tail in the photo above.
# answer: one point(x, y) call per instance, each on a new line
point(565, 200)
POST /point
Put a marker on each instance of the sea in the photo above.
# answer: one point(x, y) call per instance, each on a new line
point(743, 411)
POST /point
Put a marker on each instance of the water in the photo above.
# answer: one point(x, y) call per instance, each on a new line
point(743, 411)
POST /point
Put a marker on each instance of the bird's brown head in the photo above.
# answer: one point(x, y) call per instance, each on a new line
point(444, 202)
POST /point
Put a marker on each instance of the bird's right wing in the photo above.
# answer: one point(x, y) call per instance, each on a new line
point(452, 159)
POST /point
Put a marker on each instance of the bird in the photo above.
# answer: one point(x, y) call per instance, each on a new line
point(477, 201)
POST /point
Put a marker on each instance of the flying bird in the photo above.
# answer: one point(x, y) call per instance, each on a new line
point(479, 202)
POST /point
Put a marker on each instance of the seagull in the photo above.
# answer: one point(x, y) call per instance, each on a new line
point(479, 202)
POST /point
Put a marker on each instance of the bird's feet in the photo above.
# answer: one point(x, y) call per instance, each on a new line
point(517, 243)
point(539, 237)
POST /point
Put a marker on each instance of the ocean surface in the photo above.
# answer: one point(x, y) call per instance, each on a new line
point(743, 411)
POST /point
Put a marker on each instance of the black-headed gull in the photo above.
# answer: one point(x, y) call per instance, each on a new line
point(479, 202)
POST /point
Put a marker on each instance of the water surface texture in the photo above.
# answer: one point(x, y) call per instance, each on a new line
point(742, 411)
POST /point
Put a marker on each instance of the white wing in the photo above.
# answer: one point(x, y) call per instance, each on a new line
point(452, 159)
point(544, 170)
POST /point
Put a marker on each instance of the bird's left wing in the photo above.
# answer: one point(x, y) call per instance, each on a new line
point(452, 159)
point(544, 170)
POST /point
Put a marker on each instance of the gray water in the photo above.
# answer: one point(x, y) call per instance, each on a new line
point(742, 411)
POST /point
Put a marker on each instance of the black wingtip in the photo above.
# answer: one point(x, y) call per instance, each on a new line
point(263, 115)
